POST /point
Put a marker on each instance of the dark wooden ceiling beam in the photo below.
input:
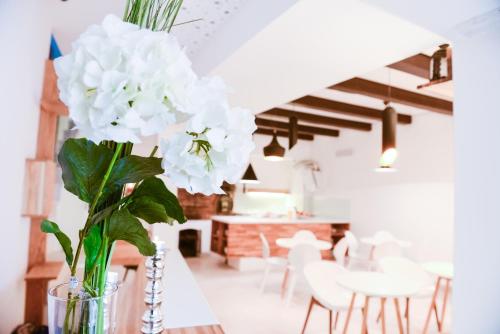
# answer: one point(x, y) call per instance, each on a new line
point(397, 95)
point(418, 65)
point(323, 104)
point(269, 123)
point(318, 119)
point(283, 133)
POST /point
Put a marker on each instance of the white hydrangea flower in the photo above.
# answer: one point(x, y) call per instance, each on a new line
point(215, 148)
point(121, 82)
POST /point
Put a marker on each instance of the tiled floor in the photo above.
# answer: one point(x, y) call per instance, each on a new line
point(235, 299)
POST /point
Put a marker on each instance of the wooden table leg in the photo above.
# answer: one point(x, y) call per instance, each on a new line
point(382, 314)
point(445, 301)
point(336, 320)
point(398, 316)
point(330, 322)
point(349, 313)
point(308, 314)
point(364, 327)
point(432, 306)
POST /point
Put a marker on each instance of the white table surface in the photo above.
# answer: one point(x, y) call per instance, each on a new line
point(292, 242)
point(374, 284)
point(255, 219)
point(439, 268)
point(184, 304)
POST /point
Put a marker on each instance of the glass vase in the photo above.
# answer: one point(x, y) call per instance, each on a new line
point(74, 311)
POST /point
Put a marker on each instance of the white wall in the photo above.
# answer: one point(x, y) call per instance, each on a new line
point(24, 37)
point(272, 175)
point(476, 71)
point(416, 202)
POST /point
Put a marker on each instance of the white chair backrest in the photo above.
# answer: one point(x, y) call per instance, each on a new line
point(352, 242)
point(301, 255)
point(340, 251)
point(321, 277)
point(266, 251)
point(384, 236)
point(386, 249)
point(405, 268)
point(304, 235)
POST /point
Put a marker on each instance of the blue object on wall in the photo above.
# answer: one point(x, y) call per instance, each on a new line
point(55, 52)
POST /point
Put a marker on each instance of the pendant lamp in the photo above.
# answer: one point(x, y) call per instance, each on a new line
point(389, 151)
point(274, 151)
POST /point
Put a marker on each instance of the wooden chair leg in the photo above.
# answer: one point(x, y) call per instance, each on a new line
point(311, 303)
point(364, 328)
point(330, 321)
point(433, 305)
point(284, 284)
point(398, 316)
point(407, 315)
point(382, 314)
point(336, 320)
point(349, 313)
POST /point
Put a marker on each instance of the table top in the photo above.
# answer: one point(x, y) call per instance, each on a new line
point(184, 303)
point(439, 268)
point(255, 219)
point(374, 284)
point(292, 242)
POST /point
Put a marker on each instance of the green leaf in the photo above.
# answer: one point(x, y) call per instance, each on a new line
point(131, 169)
point(51, 227)
point(155, 189)
point(148, 209)
point(83, 166)
point(124, 226)
point(91, 246)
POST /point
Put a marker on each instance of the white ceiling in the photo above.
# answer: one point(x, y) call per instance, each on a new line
point(270, 53)
point(72, 17)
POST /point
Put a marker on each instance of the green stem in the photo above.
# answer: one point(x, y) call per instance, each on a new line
point(102, 277)
point(93, 206)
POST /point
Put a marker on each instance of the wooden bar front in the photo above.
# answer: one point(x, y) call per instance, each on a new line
point(233, 240)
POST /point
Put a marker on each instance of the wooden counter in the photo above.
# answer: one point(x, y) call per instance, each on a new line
point(237, 237)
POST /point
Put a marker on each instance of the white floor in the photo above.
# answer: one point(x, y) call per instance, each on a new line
point(235, 299)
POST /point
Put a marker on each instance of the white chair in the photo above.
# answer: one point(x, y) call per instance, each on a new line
point(298, 257)
point(387, 249)
point(340, 251)
point(271, 261)
point(320, 277)
point(353, 243)
point(304, 235)
point(409, 270)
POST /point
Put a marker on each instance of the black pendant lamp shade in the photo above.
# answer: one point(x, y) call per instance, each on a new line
point(249, 177)
point(389, 152)
point(274, 151)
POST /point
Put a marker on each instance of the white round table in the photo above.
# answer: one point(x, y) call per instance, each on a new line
point(292, 242)
point(444, 272)
point(376, 285)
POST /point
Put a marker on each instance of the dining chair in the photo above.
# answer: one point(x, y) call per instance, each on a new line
point(345, 253)
point(389, 248)
point(271, 261)
point(353, 243)
point(409, 270)
point(340, 251)
point(304, 235)
point(298, 257)
point(321, 277)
